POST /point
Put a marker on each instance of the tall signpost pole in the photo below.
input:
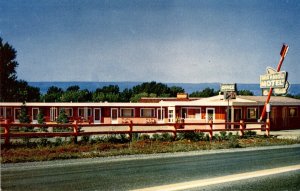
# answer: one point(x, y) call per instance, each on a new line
point(283, 53)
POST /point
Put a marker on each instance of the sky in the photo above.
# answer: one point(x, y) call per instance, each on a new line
point(180, 41)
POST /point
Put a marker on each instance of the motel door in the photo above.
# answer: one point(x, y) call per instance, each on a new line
point(210, 114)
point(114, 115)
point(237, 116)
point(53, 114)
point(97, 115)
point(35, 112)
point(171, 114)
point(161, 115)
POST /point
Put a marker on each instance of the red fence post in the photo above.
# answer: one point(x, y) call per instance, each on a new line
point(130, 130)
point(175, 133)
point(242, 127)
point(268, 127)
point(6, 132)
point(75, 129)
point(211, 129)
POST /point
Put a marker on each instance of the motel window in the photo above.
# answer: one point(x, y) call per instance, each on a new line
point(147, 112)
point(252, 113)
point(85, 112)
point(293, 112)
point(191, 113)
point(5, 112)
point(2, 112)
point(127, 112)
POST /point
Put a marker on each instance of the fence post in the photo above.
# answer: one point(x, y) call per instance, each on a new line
point(6, 132)
point(211, 130)
point(75, 128)
point(130, 130)
point(268, 127)
point(175, 133)
point(242, 127)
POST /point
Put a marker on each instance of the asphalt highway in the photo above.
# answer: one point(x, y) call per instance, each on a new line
point(156, 171)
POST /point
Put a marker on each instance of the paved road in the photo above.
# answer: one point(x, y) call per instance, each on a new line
point(143, 173)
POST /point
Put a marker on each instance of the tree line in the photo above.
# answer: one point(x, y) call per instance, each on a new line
point(110, 93)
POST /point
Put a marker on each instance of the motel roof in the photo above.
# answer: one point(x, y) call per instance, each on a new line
point(210, 101)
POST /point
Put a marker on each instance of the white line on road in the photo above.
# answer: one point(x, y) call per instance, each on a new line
point(223, 179)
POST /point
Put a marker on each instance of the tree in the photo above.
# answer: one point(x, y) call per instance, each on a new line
point(137, 97)
point(12, 89)
point(297, 96)
point(98, 96)
point(114, 89)
point(207, 92)
point(109, 93)
point(245, 92)
point(53, 94)
point(24, 118)
point(73, 88)
point(40, 117)
point(125, 95)
point(151, 87)
point(41, 120)
point(62, 117)
point(174, 90)
point(8, 74)
point(24, 92)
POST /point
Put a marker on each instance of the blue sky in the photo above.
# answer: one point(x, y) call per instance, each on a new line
point(165, 41)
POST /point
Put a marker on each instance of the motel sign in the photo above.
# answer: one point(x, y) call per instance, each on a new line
point(228, 87)
point(275, 80)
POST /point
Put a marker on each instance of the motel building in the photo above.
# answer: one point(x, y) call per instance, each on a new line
point(284, 113)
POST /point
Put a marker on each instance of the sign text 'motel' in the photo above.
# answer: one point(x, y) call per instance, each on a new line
point(275, 80)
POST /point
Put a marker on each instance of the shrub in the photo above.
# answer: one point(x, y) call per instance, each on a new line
point(123, 138)
point(85, 139)
point(26, 141)
point(223, 135)
point(234, 142)
point(111, 139)
point(192, 136)
point(229, 135)
point(135, 136)
point(43, 142)
point(145, 137)
point(217, 137)
point(166, 137)
point(207, 138)
point(250, 133)
point(155, 137)
point(58, 141)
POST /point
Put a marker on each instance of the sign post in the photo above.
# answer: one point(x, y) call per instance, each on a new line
point(283, 53)
point(229, 91)
point(268, 110)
